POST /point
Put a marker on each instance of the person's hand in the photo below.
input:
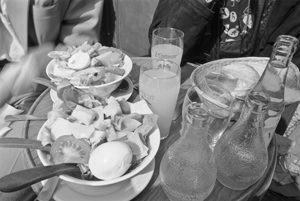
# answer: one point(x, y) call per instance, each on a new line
point(17, 78)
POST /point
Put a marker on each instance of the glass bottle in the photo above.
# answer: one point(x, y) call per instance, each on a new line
point(188, 170)
point(272, 82)
point(241, 155)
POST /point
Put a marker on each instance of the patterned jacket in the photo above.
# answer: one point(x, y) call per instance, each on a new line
point(202, 28)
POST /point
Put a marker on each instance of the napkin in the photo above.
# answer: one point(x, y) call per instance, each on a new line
point(140, 107)
point(4, 111)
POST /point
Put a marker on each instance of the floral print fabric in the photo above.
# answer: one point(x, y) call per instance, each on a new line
point(237, 19)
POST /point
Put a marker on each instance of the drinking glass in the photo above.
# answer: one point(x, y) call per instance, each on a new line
point(218, 102)
point(167, 43)
point(159, 86)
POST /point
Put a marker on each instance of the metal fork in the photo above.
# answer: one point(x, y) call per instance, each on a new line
point(23, 117)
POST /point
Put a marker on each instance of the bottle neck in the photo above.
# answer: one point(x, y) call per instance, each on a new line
point(283, 51)
point(195, 114)
point(196, 118)
point(256, 105)
point(274, 76)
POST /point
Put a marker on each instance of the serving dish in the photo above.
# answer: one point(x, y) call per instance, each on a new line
point(123, 191)
point(258, 64)
point(153, 142)
point(118, 94)
point(104, 89)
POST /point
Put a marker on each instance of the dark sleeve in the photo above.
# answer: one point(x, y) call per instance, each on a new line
point(284, 20)
point(82, 22)
point(190, 16)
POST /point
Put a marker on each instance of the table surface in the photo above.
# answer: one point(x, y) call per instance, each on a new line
point(154, 190)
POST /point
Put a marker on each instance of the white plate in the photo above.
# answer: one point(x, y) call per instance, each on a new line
point(127, 67)
point(104, 89)
point(118, 94)
point(127, 190)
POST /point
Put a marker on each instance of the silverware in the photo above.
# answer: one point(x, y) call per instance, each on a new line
point(23, 143)
point(24, 117)
point(17, 180)
point(45, 82)
point(48, 189)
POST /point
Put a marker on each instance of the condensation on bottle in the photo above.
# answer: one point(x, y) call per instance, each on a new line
point(241, 155)
point(188, 170)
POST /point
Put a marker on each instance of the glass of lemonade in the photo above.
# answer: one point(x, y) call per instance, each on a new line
point(159, 86)
point(167, 43)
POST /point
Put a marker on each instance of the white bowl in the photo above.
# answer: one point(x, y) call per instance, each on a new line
point(104, 89)
point(153, 142)
point(258, 63)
